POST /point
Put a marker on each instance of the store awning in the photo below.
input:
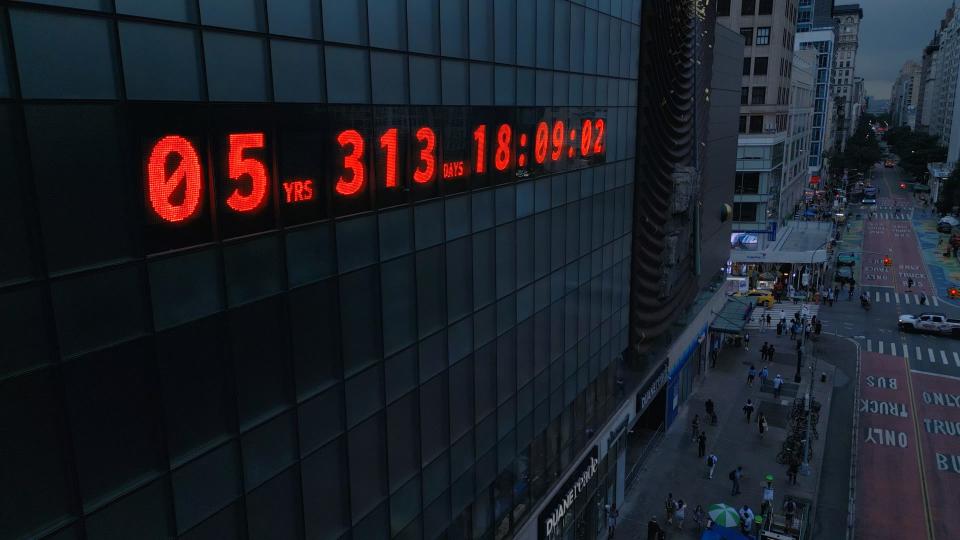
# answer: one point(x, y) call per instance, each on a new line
point(733, 316)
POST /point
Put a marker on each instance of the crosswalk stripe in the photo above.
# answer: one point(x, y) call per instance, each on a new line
point(906, 351)
point(869, 346)
point(943, 356)
point(887, 296)
point(935, 302)
point(930, 352)
point(956, 358)
point(919, 354)
point(916, 299)
point(878, 296)
point(906, 298)
point(896, 297)
point(880, 347)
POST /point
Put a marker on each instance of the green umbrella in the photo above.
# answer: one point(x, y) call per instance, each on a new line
point(723, 515)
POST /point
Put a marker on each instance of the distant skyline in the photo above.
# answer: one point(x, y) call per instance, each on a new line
point(892, 32)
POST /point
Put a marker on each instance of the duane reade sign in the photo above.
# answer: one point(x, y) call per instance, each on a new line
point(554, 515)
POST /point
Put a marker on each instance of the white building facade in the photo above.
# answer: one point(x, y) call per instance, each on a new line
point(846, 22)
point(796, 175)
point(821, 41)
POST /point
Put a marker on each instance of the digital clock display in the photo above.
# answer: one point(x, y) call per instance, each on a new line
point(231, 171)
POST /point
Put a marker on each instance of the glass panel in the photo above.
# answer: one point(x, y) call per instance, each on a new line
point(297, 71)
point(184, 288)
point(161, 62)
point(368, 466)
point(359, 319)
point(300, 18)
point(348, 73)
point(424, 81)
point(403, 429)
point(423, 36)
point(325, 479)
point(389, 78)
point(240, 14)
point(268, 449)
point(385, 18)
point(253, 269)
point(236, 67)
point(345, 22)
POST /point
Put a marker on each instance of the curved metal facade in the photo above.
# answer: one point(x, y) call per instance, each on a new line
point(675, 59)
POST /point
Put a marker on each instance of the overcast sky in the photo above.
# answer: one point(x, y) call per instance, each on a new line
point(892, 32)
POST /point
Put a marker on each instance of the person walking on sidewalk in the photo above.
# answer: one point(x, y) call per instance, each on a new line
point(763, 351)
point(681, 513)
point(711, 464)
point(761, 423)
point(768, 320)
point(670, 505)
point(695, 427)
point(653, 529)
point(777, 385)
point(746, 341)
point(751, 374)
point(792, 471)
point(711, 411)
point(765, 373)
point(612, 515)
point(701, 444)
point(746, 519)
point(748, 409)
point(735, 476)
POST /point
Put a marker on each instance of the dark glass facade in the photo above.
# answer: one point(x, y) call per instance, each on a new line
point(419, 366)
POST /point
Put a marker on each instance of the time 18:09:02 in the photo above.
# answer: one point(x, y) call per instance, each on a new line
point(175, 179)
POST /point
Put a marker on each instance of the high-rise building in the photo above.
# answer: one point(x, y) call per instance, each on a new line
point(821, 41)
point(813, 14)
point(905, 93)
point(799, 130)
point(331, 269)
point(769, 31)
point(929, 70)
point(846, 22)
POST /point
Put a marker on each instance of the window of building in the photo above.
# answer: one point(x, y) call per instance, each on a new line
point(746, 65)
point(763, 35)
point(747, 34)
point(759, 95)
point(744, 95)
point(748, 7)
point(756, 122)
point(765, 7)
point(747, 183)
point(723, 8)
point(760, 65)
point(743, 124)
point(744, 211)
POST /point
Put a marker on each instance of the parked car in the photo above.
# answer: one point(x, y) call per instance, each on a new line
point(930, 323)
point(947, 223)
point(761, 297)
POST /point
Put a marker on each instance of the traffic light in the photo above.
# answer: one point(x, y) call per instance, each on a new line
point(952, 292)
point(887, 261)
point(903, 185)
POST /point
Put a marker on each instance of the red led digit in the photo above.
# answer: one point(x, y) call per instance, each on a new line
point(558, 133)
point(239, 166)
point(480, 136)
point(586, 137)
point(502, 156)
point(598, 142)
point(352, 161)
point(388, 141)
point(540, 143)
point(427, 159)
point(161, 186)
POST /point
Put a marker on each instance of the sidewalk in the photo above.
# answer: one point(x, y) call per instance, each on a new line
point(674, 467)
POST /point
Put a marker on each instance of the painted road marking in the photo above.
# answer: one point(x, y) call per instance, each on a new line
point(919, 354)
point(880, 348)
point(878, 296)
point(887, 296)
point(935, 302)
point(906, 351)
point(896, 296)
point(943, 356)
point(869, 346)
point(956, 358)
point(906, 298)
point(930, 352)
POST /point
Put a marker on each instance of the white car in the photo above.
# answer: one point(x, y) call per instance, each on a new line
point(931, 323)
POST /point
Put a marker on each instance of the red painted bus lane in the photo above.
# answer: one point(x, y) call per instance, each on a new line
point(889, 485)
point(938, 411)
point(894, 239)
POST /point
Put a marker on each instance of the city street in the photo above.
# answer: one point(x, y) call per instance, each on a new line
point(907, 443)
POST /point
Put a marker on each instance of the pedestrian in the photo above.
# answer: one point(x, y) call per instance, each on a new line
point(748, 409)
point(670, 505)
point(653, 529)
point(768, 320)
point(792, 471)
point(818, 327)
point(746, 341)
point(763, 351)
point(695, 427)
point(806, 330)
point(789, 510)
point(735, 476)
point(764, 373)
point(923, 298)
point(777, 385)
point(763, 323)
point(681, 513)
point(713, 357)
point(909, 283)
point(751, 373)
point(767, 496)
point(793, 331)
point(761, 423)
point(612, 516)
point(746, 519)
point(780, 328)
point(770, 352)
point(711, 464)
point(699, 517)
point(708, 407)
point(701, 444)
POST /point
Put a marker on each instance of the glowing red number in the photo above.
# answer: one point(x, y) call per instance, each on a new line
point(238, 166)
point(586, 137)
point(427, 159)
point(557, 140)
point(351, 161)
point(502, 156)
point(480, 135)
point(388, 141)
point(161, 186)
point(598, 143)
point(540, 147)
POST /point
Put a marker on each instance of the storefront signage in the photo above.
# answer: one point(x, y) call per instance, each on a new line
point(555, 515)
point(645, 396)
